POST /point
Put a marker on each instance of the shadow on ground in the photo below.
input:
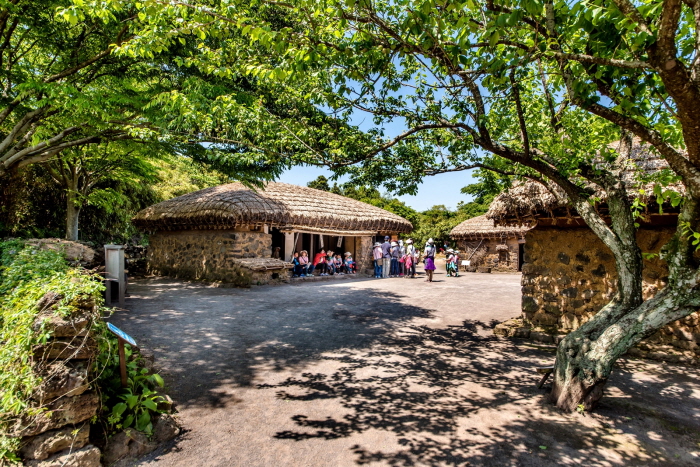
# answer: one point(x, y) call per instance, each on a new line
point(443, 392)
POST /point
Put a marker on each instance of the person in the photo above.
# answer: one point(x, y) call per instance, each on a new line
point(449, 262)
point(330, 263)
point(402, 259)
point(386, 257)
point(411, 259)
point(304, 263)
point(378, 260)
point(430, 251)
point(394, 260)
point(339, 265)
point(276, 253)
point(456, 261)
point(349, 263)
point(445, 246)
point(320, 263)
point(297, 265)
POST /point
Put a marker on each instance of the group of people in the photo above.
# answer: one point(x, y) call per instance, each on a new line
point(395, 259)
point(391, 259)
point(326, 262)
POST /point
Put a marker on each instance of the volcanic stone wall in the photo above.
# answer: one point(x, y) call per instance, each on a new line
point(497, 254)
point(207, 254)
point(363, 255)
point(569, 274)
point(60, 435)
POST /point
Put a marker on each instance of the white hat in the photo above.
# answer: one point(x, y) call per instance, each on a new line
point(347, 253)
point(456, 251)
point(450, 250)
point(394, 244)
point(431, 241)
point(409, 241)
point(377, 244)
point(400, 242)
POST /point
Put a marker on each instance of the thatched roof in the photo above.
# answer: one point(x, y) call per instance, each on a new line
point(525, 202)
point(482, 227)
point(288, 207)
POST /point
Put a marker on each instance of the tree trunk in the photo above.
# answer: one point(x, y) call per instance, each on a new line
point(72, 216)
point(586, 357)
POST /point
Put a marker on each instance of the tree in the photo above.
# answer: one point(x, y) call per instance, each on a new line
point(523, 88)
point(321, 183)
point(80, 170)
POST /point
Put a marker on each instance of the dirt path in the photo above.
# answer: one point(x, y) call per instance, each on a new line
point(388, 372)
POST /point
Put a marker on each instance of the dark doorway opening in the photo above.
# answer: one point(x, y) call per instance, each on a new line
point(278, 242)
point(521, 255)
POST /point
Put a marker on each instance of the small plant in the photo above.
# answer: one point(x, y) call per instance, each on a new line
point(581, 409)
point(135, 405)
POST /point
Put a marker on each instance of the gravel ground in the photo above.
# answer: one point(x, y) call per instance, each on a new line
point(393, 372)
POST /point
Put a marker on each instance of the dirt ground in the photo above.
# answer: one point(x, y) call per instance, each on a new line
point(391, 372)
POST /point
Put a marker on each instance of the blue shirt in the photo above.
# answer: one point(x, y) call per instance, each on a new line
point(386, 250)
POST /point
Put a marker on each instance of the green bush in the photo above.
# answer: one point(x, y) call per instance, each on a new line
point(26, 275)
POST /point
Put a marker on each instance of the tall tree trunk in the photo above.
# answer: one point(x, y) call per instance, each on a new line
point(72, 216)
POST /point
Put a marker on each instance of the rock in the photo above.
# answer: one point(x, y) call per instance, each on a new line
point(58, 326)
point(42, 446)
point(564, 258)
point(89, 456)
point(61, 378)
point(62, 412)
point(541, 337)
point(75, 348)
point(126, 444)
point(529, 304)
point(599, 271)
point(166, 405)
point(76, 253)
point(165, 428)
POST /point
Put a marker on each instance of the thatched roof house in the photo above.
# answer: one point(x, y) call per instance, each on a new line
point(205, 234)
point(569, 274)
point(489, 246)
point(288, 207)
point(531, 202)
point(480, 227)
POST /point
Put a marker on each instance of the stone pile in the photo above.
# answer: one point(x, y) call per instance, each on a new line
point(77, 253)
point(60, 434)
point(135, 259)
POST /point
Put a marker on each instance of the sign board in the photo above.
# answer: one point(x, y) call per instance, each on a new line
point(119, 333)
point(466, 262)
point(340, 242)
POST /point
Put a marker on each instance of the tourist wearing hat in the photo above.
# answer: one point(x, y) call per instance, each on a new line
point(430, 251)
point(456, 261)
point(402, 259)
point(449, 262)
point(395, 255)
point(411, 259)
point(349, 263)
point(378, 258)
point(386, 257)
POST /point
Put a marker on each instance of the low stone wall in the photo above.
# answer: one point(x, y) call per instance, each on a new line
point(569, 274)
point(209, 255)
point(496, 254)
point(60, 435)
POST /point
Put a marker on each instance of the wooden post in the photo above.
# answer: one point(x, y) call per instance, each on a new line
point(122, 362)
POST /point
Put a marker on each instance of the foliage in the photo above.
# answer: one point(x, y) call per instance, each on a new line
point(26, 275)
point(135, 405)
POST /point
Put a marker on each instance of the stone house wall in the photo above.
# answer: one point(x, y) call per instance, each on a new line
point(492, 253)
point(363, 255)
point(208, 255)
point(569, 274)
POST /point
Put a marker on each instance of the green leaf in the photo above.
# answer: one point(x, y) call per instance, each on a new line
point(149, 404)
point(131, 400)
point(119, 409)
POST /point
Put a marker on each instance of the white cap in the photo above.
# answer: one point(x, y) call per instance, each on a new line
point(431, 241)
point(394, 243)
point(377, 244)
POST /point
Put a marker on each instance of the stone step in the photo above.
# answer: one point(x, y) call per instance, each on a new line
point(335, 277)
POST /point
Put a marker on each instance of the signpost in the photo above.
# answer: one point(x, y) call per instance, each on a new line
point(122, 338)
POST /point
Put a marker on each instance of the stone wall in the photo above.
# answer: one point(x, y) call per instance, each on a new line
point(60, 436)
point(569, 274)
point(208, 255)
point(497, 254)
point(363, 255)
